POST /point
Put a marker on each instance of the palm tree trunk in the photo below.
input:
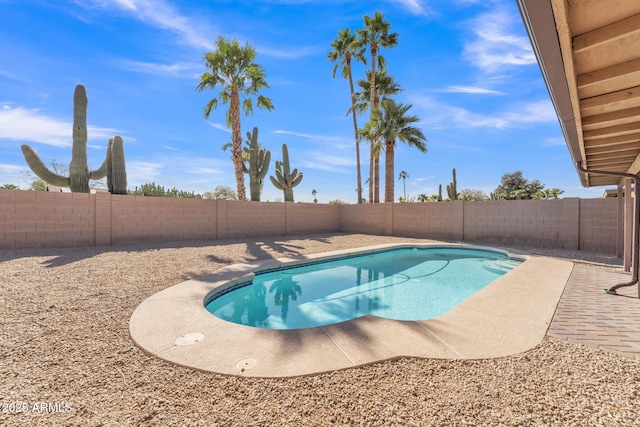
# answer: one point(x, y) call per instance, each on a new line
point(355, 130)
point(377, 173)
point(373, 173)
point(236, 139)
point(389, 171)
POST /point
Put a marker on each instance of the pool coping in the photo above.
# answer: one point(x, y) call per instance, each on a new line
point(509, 316)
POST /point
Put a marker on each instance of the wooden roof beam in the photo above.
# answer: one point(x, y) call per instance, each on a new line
point(618, 148)
point(607, 33)
point(629, 113)
point(624, 95)
point(621, 139)
point(629, 70)
point(611, 131)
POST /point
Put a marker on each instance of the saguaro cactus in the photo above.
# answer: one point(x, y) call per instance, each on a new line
point(452, 189)
point(285, 180)
point(79, 173)
point(116, 172)
point(259, 159)
point(439, 192)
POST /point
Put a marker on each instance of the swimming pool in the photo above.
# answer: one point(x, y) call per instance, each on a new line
point(399, 284)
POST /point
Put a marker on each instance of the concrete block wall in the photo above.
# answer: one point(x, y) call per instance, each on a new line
point(312, 218)
point(142, 219)
point(365, 218)
point(598, 225)
point(528, 222)
point(31, 218)
point(246, 219)
point(427, 220)
point(37, 218)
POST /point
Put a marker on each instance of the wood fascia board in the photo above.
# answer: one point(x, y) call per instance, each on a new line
point(607, 33)
point(561, 18)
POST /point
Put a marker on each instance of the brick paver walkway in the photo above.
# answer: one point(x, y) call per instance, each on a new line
point(586, 315)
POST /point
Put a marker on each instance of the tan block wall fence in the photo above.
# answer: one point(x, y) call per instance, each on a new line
point(35, 219)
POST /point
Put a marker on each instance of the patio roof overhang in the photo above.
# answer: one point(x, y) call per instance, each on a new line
point(589, 55)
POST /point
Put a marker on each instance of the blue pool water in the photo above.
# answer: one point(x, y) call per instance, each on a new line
point(401, 284)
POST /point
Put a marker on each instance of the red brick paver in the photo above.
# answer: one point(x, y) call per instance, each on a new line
point(586, 315)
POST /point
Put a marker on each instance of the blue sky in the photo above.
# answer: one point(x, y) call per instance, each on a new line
point(466, 66)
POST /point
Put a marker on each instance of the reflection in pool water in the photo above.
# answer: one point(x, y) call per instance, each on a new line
point(401, 284)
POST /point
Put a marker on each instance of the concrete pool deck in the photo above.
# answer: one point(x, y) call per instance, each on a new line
point(509, 316)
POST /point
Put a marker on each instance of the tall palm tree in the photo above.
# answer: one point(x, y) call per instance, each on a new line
point(375, 35)
point(232, 69)
point(392, 123)
point(386, 87)
point(345, 50)
point(403, 175)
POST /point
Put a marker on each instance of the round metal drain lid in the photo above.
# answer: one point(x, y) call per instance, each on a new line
point(189, 339)
point(245, 364)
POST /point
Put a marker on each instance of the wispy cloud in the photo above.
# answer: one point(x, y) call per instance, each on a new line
point(337, 142)
point(471, 90)
point(517, 115)
point(187, 70)
point(553, 142)
point(288, 53)
point(414, 6)
point(497, 44)
point(220, 127)
point(139, 172)
point(26, 125)
point(162, 15)
point(327, 162)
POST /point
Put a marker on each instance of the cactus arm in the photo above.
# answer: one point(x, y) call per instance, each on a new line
point(99, 173)
point(276, 183)
point(38, 167)
point(297, 180)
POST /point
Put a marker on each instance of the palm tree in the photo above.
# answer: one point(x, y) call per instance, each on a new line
point(313, 193)
point(391, 123)
point(422, 198)
point(344, 50)
point(232, 69)
point(386, 87)
point(403, 175)
point(375, 35)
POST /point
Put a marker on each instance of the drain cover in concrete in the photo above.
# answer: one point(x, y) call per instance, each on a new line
point(189, 339)
point(245, 364)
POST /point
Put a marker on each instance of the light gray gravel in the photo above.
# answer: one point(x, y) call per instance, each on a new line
point(64, 340)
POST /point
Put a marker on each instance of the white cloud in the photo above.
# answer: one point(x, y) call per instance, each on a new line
point(139, 172)
point(187, 70)
point(288, 53)
point(518, 115)
point(471, 90)
point(497, 45)
point(220, 127)
point(160, 14)
point(327, 162)
point(414, 6)
point(21, 124)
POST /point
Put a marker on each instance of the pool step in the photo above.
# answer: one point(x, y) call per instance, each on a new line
point(500, 266)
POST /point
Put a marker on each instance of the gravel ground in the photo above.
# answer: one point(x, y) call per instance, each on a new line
point(67, 359)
